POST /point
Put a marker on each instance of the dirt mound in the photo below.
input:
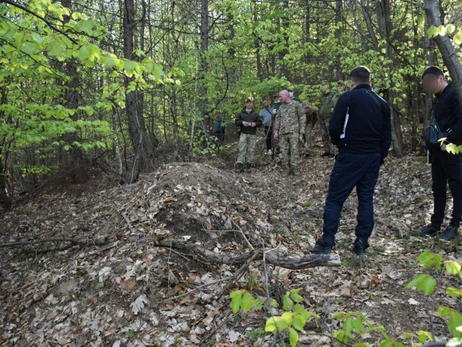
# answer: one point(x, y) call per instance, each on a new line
point(107, 283)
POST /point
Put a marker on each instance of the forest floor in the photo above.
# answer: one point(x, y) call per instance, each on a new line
point(88, 269)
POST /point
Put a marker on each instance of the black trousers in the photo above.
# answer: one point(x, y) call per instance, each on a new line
point(350, 171)
point(446, 170)
point(269, 137)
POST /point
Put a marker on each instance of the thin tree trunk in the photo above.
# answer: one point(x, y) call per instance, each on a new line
point(445, 46)
point(142, 146)
point(368, 20)
point(78, 173)
point(385, 27)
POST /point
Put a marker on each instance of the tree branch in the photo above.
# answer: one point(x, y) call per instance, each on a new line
point(25, 9)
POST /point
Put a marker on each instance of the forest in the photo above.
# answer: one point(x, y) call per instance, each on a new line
point(123, 223)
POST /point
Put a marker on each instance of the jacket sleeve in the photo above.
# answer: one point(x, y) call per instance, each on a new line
point(277, 123)
point(455, 136)
point(238, 121)
point(385, 142)
point(258, 121)
point(337, 120)
point(301, 117)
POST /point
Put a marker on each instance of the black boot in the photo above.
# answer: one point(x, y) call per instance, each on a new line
point(321, 249)
point(240, 168)
point(249, 167)
point(449, 234)
point(429, 230)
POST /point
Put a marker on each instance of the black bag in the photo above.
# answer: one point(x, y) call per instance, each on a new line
point(433, 134)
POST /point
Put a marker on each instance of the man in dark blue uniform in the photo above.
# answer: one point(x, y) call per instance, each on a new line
point(361, 129)
point(446, 167)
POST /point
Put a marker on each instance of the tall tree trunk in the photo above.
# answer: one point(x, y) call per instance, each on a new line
point(257, 44)
point(338, 9)
point(285, 25)
point(307, 28)
point(432, 60)
point(5, 198)
point(368, 20)
point(445, 46)
point(204, 47)
point(142, 146)
point(385, 27)
point(78, 173)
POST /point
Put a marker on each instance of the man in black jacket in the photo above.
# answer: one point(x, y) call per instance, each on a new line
point(361, 129)
point(248, 120)
point(446, 167)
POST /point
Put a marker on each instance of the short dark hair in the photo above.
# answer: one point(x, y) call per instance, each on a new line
point(433, 70)
point(360, 74)
point(248, 100)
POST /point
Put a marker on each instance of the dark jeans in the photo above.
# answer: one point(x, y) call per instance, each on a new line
point(446, 169)
point(351, 170)
point(269, 137)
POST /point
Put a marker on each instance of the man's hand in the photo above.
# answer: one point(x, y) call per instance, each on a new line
point(331, 110)
point(246, 124)
point(253, 124)
point(443, 148)
point(275, 136)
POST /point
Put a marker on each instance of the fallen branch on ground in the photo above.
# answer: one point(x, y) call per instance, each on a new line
point(272, 257)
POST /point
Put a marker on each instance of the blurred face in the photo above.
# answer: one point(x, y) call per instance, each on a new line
point(265, 103)
point(285, 97)
point(307, 110)
point(248, 105)
point(433, 84)
point(341, 87)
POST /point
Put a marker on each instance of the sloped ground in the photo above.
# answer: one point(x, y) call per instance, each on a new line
point(117, 287)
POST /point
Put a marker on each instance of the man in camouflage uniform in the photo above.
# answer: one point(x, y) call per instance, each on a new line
point(311, 114)
point(248, 120)
point(290, 125)
point(329, 99)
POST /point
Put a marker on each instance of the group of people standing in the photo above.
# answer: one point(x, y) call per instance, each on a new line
point(288, 126)
point(358, 123)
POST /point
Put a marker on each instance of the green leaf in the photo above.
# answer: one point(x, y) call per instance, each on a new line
point(247, 302)
point(235, 300)
point(358, 325)
point(424, 283)
point(455, 321)
point(295, 296)
point(456, 292)
point(386, 343)
point(430, 259)
point(452, 267)
point(293, 337)
point(450, 28)
point(458, 39)
point(274, 303)
point(433, 31)
point(299, 322)
point(287, 303)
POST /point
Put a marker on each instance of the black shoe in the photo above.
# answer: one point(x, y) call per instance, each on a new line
point(318, 249)
point(359, 247)
point(240, 168)
point(449, 233)
point(358, 250)
point(307, 156)
point(249, 168)
point(429, 230)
